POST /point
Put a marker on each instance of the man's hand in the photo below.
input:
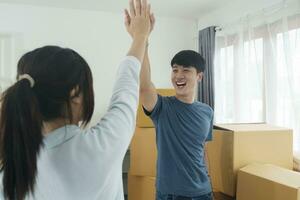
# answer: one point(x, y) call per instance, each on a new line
point(138, 26)
point(137, 10)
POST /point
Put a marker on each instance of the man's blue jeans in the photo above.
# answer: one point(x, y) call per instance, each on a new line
point(160, 196)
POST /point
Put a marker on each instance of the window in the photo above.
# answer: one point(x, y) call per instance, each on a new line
point(257, 75)
point(239, 82)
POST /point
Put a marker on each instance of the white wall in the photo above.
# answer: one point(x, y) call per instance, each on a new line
point(100, 38)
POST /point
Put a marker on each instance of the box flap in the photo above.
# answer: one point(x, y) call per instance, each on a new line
point(274, 173)
point(248, 127)
point(219, 127)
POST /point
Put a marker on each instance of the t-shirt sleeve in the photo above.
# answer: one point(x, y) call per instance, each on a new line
point(209, 136)
point(154, 114)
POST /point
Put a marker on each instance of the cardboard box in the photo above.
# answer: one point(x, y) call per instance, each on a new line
point(267, 182)
point(221, 196)
point(237, 145)
point(297, 161)
point(141, 188)
point(143, 152)
point(142, 120)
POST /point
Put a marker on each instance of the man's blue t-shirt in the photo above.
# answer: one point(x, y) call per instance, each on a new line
point(181, 132)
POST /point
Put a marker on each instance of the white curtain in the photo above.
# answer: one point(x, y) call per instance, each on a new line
point(257, 73)
point(238, 79)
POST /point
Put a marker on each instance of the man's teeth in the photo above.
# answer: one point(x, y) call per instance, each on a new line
point(180, 84)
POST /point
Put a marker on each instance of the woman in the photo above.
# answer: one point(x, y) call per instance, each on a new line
point(44, 153)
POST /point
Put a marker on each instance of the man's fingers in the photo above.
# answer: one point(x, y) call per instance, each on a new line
point(148, 11)
point(127, 17)
point(126, 12)
point(144, 8)
point(152, 20)
point(138, 7)
point(131, 8)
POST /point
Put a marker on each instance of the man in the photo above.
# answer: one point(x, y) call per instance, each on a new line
point(182, 128)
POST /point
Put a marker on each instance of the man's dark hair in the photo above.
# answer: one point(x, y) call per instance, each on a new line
point(189, 58)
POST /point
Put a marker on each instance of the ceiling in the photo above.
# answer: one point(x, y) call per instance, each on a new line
point(189, 9)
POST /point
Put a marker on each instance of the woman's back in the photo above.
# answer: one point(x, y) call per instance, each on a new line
point(87, 164)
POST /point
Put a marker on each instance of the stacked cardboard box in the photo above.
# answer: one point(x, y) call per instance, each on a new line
point(143, 153)
point(297, 161)
point(236, 145)
point(142, 120)
point(141, 187)
point(267, 182)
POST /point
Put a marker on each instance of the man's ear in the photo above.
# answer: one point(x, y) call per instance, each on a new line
point(200, 76)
